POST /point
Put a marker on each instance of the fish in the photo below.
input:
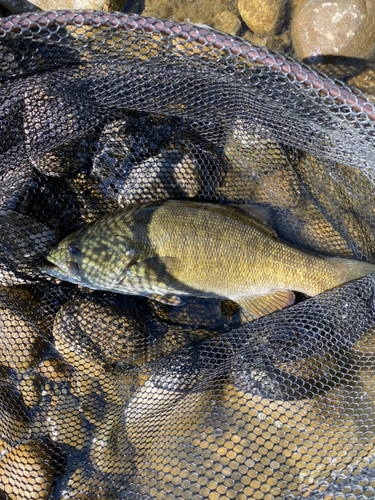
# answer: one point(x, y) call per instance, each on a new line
point(173, 249)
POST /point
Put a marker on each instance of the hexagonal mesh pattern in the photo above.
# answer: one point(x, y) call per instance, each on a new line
point(118, 397)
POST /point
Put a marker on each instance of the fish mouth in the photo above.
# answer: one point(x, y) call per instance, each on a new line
point(52, 269)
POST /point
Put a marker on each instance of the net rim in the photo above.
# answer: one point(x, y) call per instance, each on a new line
point(301, 74)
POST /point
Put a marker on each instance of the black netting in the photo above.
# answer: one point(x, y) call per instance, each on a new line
point(110, 396)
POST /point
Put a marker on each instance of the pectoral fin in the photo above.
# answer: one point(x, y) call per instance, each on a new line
point(266, 304)
point(157, 270)
point(170, 300)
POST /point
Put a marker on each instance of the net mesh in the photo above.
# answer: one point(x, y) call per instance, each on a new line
point(108, 396)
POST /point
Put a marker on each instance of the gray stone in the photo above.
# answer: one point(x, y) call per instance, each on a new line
point(19, 6)
point(339, 28)
point(262, 17)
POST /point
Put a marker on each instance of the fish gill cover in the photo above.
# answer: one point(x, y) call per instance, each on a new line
point(111, 396)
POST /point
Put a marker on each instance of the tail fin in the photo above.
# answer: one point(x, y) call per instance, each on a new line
point(348, 270)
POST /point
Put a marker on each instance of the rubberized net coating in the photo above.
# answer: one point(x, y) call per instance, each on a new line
point(116, 397)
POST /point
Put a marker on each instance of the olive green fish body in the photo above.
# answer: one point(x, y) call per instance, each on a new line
point(172, 249)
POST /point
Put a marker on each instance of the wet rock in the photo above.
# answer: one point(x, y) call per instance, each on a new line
point(30, 387)
point(3, 446)
point(344, 28)
point(258, 169)
point(93, 334)
point(19, 6)
point(172, 340)
point(339, 67)
point(111, 452)
point(227, 21)
point(93, 407)
point(23, 334)
point(356, 217)
point(168, 174)
point(14, 184)
point(365, 81)
point(131, 168)
point(163, 9)
point(280, 43)
point(95, 202)
point(194, 11)
point(24, 242)
point(85, 386)
point(64, 159)
point(55, 370)
point(263, 18)
point(57, 378)
point(14, 419)
point(118, 387)
point(23, 239)
point(67, 425)
point(27, 471)
point(293, 6)
point(79, 356)
point(90, 486)
point(158, 411)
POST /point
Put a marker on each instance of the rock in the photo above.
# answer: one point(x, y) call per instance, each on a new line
point(227, 21)
point(93, 407)
point(342, 28)
point(279, 43)
point(205, 313)
point(19, 6)
point(194, 11)
point(95, 333)
point(57, 378)
point(263, 175)
point(338, 182)
point(171, 341)
point(31, 388)
point(85, 385)
point(111, 452)
point(263, 18)
point(14, 419)
point(55, 371)
point(131, 168)
point(23, 337)
point(27, 471)
point(119, 387)
point(293, 6)
point(24, 242)
point(67, 425)
point(155, 413)
point(3, 447)
point(64, 159)
point(162, 9)
point(365, 81)
point(83, 484)
point(93, 201)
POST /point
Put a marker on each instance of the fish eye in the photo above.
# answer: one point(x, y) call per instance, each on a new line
point(73, 249)
point(130, 252)
point(73, 268)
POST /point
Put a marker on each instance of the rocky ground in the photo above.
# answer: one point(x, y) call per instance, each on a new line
point(337, 37)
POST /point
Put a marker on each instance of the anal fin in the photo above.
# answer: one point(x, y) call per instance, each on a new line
point(266, 304)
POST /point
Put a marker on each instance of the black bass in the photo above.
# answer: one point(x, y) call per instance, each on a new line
point(172, 249)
